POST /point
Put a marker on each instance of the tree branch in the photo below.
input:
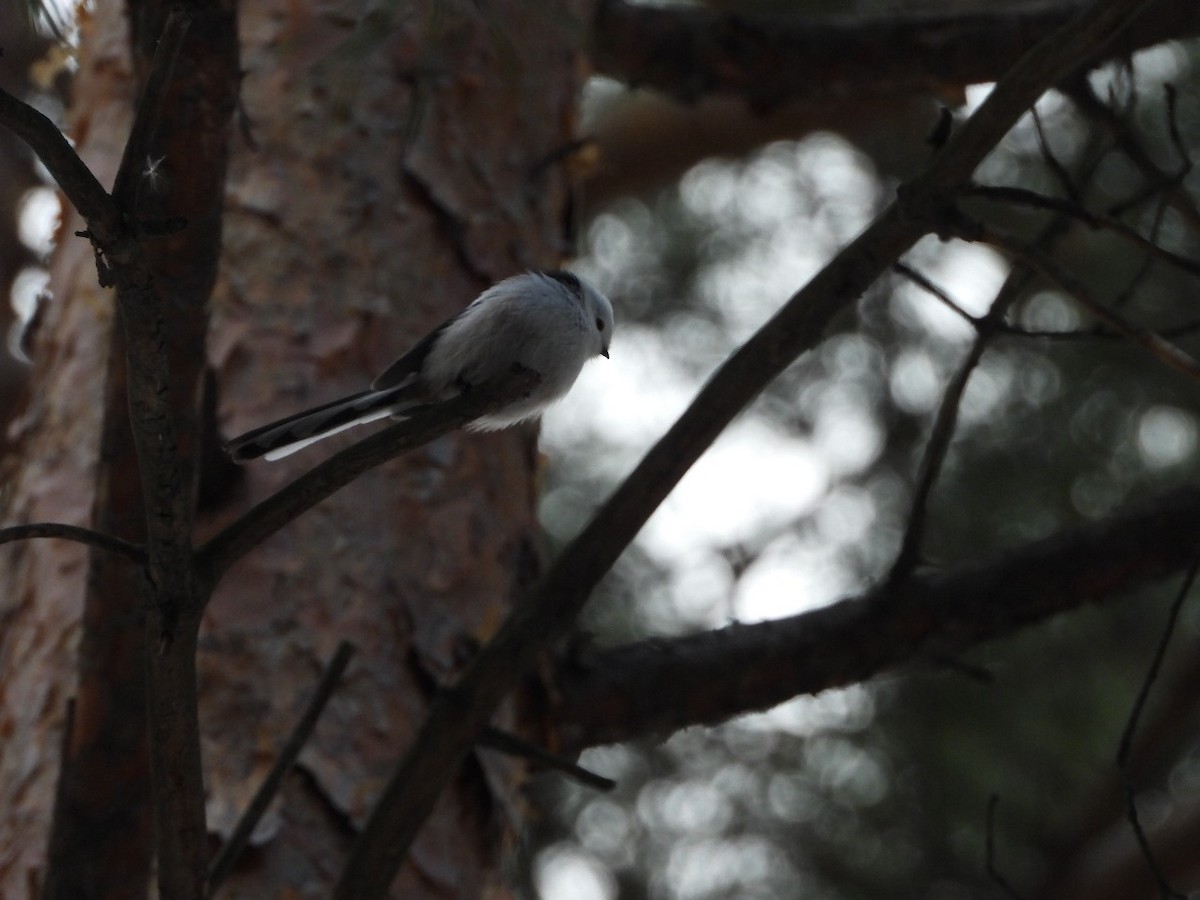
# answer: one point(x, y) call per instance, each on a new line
point(1125, 745)
point(749, 667)
point(257, 524)
point(1023, 197)
point(945, 423)
point(75, 179)
point(510, 744)
point(134, 552)
point(225, 859)
point(989, 853)
point(1170, 355)
point(689, 52)
point(460, 713)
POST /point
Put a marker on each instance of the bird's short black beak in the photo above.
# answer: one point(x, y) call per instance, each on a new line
point(604, 353)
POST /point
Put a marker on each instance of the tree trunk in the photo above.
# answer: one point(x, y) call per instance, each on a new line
point(50, 474)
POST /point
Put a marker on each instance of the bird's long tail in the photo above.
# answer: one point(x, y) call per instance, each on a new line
point(286, 436)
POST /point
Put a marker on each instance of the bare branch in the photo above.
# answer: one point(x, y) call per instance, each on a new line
point(925, 284)
point(228, 855)
point(987, 328)
point(162, 289)
point(1098, 333)
point(503, 742)
point(107, 542)
point(1053, 163)
point(276, 511)
point(944, 424)
point(1032, 199)
point(60, 159)
point(689, 52)
point(1161, 349)
point(709, 677)
point(1084, 97)
point(1125, 746)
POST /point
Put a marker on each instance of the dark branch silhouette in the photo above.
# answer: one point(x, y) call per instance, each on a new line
point(227, 856)
point(510, 744)
point(712, 676)
point(276, 511)
point(107, 542)
point(768, 59)
point(1125, 745)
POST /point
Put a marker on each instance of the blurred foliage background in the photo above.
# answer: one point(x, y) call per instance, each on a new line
point(894, 788)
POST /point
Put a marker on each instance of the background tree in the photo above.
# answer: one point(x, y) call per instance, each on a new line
point(436, 152)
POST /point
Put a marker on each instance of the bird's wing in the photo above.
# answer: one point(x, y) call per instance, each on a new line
point(411, 362)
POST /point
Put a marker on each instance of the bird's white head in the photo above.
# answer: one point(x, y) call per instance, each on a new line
point(597, 310)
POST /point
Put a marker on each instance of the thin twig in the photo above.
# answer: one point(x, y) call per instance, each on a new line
point(1084, 96)
point(934, 455)
point(938, 293)
point(1053, 163)
point(134, 552)
point(78, 183)
point(1025, 197)
point(1125, 746)
point(228, 855)
point(510, 744)
point(1160, 207)
point(276, 511)
point(987, 328)
point(1147, 261)
point(1172, 104)
point(1098, 333)
point(1164, 351)
point(990, 851)
point(944, 425)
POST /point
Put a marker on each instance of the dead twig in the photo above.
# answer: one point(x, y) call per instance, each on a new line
point(1161, 349)
point(1034, 200)
point(510, 744)
point(133, 552)
point(276, 511)
point(227, 856)
point(1125, 746)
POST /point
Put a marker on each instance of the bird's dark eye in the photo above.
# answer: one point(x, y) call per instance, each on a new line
point(599, 324)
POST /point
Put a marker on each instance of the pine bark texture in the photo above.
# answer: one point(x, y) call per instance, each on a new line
point(50, 474)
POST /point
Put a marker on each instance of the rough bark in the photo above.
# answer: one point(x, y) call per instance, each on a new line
point(50, 475)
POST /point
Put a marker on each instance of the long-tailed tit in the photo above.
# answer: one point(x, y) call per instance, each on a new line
point(549, 322)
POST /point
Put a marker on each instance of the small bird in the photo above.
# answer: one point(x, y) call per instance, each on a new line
point(549, 322)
